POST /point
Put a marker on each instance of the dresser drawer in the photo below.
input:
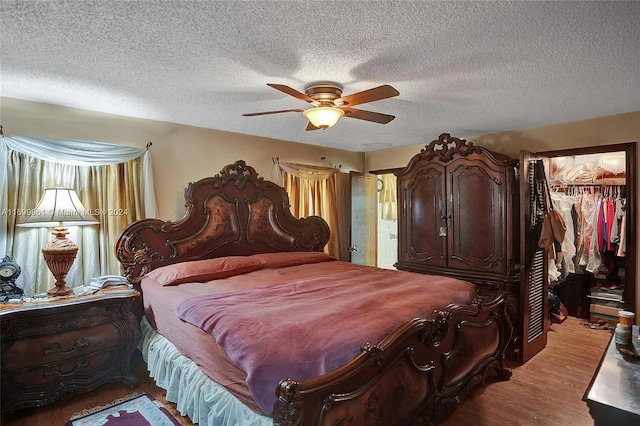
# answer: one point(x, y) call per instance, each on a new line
point(49, 320)
point(44, 384)
point(79, 368)
point(52, 348)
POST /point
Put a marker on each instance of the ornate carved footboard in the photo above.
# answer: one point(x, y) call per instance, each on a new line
point(417, 375)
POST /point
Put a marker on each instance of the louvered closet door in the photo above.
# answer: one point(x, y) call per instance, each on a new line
point(535, 310)
point(423, 239)
point(533, 321)
point(478, 237)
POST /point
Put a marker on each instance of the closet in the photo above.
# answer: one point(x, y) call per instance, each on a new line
point(589, 271)
point(578, 173)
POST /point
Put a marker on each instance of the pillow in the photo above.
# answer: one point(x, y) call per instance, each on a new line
point(292, 258)
point(204, 270)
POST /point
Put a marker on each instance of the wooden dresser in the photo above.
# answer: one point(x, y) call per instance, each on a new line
point(53, 350)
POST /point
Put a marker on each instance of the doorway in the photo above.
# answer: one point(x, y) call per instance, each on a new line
point(534, 284)
point(386, 217)
point(387, 220)
point(613, 270)
point(374, 219)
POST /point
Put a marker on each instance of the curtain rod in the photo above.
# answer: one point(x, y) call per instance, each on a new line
point(146, 147)
point(276, 160)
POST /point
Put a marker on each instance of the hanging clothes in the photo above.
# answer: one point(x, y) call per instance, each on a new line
point(564, 204)
point(600, 225)
point(594, 258)
point(622, 245)
point(590, 209)
point(611, 214)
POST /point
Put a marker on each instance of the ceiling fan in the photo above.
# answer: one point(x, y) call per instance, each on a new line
point(329, 104)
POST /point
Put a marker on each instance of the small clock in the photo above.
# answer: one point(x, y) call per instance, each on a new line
point(9, 273)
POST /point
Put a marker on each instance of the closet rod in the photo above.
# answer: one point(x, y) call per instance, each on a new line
point(590, 184)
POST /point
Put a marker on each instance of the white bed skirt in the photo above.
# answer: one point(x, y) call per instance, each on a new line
point(197, 396)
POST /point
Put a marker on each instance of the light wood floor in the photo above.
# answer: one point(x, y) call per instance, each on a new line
point(546, 391)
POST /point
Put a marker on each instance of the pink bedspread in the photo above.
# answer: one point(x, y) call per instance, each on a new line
point(304, 328)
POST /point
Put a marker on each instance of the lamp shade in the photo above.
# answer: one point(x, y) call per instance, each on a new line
point(59, 205)
point(323, 117)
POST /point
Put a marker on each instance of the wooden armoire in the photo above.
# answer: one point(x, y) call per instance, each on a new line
point(464, 212)
point(470, 213)
point(458, 214)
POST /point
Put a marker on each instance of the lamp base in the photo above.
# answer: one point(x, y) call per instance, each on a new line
point(59, 255)
point(59, 291)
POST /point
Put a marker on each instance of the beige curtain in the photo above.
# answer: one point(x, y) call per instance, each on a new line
point(314, 190)
point(114, 193)
point(387, 197)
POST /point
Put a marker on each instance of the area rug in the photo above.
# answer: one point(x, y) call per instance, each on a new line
point(133, 410)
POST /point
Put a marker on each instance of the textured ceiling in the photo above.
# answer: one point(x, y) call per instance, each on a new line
point(467, 68)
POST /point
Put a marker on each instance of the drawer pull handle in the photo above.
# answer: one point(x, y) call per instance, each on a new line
point(67, 324)
point(71, 323)
point(55, 348)
point(55, 371)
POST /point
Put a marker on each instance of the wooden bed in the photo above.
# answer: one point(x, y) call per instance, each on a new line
point(431, 361)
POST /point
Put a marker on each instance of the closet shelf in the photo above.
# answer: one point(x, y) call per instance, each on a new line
point(597, 182)
point(605, 299)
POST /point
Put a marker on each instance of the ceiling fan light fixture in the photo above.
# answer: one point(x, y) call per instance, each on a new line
point(323, 117)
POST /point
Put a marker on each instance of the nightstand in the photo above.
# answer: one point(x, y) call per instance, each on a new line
point(55, 349)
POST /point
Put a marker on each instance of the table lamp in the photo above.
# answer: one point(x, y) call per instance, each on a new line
point(59, 208)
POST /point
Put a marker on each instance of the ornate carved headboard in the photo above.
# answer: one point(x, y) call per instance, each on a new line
point(232, 213)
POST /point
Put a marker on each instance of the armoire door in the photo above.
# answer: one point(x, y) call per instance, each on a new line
point(476, 210)
point(423, 233)
point(532, 320)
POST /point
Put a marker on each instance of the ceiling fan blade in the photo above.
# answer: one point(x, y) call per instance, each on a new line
point(310, 126)
point(375, 94)
point(252, 114)
point(360, 114)
point(293, 92)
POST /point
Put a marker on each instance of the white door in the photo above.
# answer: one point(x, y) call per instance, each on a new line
point(364, 232)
